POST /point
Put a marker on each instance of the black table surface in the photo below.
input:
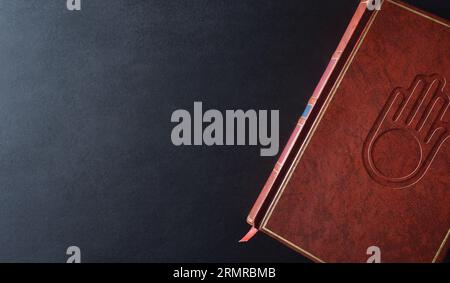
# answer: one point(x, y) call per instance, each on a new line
point(86, 98)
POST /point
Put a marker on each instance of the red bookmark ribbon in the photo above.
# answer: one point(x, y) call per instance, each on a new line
point(249, 235)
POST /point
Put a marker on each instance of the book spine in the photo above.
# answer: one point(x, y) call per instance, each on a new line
point(269, 185)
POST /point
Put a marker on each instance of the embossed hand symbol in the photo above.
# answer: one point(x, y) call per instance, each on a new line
point(408, 133)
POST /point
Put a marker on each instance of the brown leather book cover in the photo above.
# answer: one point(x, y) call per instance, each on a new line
point(368, 165)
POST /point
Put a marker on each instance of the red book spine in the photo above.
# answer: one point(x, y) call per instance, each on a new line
point(269, 185)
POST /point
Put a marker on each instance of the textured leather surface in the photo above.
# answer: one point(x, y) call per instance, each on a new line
point(333, 207)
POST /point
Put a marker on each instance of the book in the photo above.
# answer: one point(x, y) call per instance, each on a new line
point(366, 171)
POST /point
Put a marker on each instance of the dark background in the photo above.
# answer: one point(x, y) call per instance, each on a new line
point(85, 103)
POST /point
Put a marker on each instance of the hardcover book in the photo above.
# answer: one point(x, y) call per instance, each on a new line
point(368, 164)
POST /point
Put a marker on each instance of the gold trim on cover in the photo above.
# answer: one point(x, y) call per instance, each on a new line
point(441, 246)
point(419, 13)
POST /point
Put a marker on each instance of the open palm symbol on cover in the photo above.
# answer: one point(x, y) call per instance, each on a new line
point(408, 133)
